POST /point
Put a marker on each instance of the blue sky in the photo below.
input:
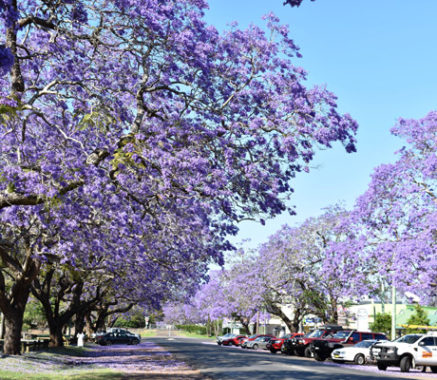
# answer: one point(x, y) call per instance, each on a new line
point(378, 56)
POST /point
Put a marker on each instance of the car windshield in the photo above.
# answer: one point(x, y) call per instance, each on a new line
point(341, 334)
point(315, 334)
point(408, 339)
point(365, 343)
point(253, 336)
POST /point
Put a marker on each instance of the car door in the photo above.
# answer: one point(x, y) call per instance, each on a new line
point(427, 351)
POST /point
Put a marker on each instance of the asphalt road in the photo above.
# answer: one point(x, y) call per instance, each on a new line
point(219, 362)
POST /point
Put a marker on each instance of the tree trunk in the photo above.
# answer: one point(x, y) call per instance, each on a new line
point(297, 319)
point(88, 324)
point(13, 303)
point(245, 323)
point(13, 325)
point(2, 326)
point(79, 325)
point(277, 311)
point(333, 317)
point(56, 337)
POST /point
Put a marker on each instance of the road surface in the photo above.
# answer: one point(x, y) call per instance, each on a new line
point(218, 362)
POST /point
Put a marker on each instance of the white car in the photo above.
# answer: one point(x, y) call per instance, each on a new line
point(358, 353)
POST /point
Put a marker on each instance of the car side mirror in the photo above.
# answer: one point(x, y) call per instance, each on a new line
point(421, 343)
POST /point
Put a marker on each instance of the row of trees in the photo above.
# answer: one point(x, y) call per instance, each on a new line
point(389, 239)
point(134, 137)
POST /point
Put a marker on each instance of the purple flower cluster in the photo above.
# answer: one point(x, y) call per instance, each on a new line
point(6, 60)
point(143, 135)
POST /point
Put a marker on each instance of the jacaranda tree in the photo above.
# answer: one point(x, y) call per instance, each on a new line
point(136, 119)
point(395, 220)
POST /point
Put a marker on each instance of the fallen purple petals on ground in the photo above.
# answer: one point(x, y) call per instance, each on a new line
point(146, 358)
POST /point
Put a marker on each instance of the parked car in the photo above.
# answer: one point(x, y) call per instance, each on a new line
point(115, 330)
point(120, 337)
point(275, 345)
point(358, 353)
point(233, 340)
point(407, 352)
point(223, 337)
point(322, 348)
point(301, 345)
point(245, 341)
point(260, 342)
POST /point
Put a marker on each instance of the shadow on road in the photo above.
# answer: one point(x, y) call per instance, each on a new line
point(235, 363)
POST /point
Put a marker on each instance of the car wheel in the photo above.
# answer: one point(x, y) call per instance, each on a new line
point(434, 369)
point(382, 366)
point(308, 353)
point(359, 359)
point(319, 358)
point(135, 341)
point(273, 351)
point(255, 346)
point(405, 364)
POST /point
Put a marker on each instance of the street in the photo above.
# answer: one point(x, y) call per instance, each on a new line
point(219, 362)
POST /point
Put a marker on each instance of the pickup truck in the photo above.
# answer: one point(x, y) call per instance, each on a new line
point(301, 345)
point(406, 352)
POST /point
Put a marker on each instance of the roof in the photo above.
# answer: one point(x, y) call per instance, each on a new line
point(405, 314)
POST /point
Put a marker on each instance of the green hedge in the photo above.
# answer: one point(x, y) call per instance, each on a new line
point(196, 329)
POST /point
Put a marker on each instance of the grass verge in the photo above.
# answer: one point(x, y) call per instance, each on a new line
point(96, 374)
point(191, 335)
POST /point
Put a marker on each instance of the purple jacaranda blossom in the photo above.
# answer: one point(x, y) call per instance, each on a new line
point(395, 221)
point(6, 60)
point(132, 156)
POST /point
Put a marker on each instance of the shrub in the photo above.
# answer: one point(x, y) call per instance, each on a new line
point(196, 329)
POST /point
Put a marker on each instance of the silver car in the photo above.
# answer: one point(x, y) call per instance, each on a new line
point(260, 342)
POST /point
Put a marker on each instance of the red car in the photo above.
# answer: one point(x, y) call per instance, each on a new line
point(275, 345)
point(233, 340)
point(253, 337)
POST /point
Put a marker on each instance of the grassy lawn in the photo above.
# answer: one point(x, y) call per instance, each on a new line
point(151, 333)
point(191, 335)
point(97, 374)
point(94, 362)
point(53, 364)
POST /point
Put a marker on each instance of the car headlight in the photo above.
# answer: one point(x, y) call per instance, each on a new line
point(391, 350)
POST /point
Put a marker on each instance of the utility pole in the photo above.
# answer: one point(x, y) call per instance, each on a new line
point(393, 313)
